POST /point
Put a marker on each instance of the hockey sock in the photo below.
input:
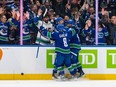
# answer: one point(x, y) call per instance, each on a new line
point(79, 66)
point(55, 69)
point(72, 70)
point(60, 70)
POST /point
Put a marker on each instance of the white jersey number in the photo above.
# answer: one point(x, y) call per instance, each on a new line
point(65, 42)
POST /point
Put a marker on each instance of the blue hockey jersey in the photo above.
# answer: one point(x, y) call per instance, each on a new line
point(75, 41)
point(88, 36)
point(102, 34)
point(62, 39)
point(26, 30)
point(4, 32)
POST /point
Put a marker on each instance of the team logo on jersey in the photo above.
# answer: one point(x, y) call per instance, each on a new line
point(111, 58)
point(88, 58)
point(1, 53)
point(3, 32)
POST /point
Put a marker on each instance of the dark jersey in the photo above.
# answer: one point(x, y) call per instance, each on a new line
point(62, 39)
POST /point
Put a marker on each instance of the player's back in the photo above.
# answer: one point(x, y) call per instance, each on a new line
point(62, 40)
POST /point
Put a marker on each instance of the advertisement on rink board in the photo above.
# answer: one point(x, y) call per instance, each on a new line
point(98, 62)
point(88, 58)
point(111, 58)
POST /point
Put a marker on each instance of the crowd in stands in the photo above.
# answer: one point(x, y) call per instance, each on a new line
point(9, 22)
point(47, 13)
point(82, 12)
point(107, 22)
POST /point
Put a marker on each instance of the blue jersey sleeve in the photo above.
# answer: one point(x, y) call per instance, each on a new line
point(13, 22)
point(71, 32)
point(36, 19)
point(47, 33)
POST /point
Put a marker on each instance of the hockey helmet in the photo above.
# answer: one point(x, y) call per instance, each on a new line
point(70, 21)
point(60, 28)
point(59, 19)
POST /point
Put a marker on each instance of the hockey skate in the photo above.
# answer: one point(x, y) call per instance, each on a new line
point(80, 74)
point(73, 77)
point(62, 78)
point(54, 76)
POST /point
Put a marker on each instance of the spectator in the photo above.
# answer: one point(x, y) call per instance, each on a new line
point(60, 11)
point(9, 22)
point(88, 34)
point(59, 7)
point(102, 34)
point(26, 29)
point(47, 24)
point(107, 15)
point(4, 30)
point(113, 30)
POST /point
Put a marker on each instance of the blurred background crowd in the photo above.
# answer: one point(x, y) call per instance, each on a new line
point(52, 12)
point(107, 22)
point(9, 22)
point(81, 12)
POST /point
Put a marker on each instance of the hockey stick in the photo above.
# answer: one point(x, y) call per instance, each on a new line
point(40, 35)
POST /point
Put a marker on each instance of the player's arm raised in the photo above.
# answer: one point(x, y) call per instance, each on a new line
point(47, 33)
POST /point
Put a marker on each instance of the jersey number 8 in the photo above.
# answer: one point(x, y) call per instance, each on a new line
point(65, 42)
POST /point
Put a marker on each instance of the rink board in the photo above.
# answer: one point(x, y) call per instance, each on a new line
point(20, 63)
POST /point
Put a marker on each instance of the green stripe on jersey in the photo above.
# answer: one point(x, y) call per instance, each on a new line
point(3, 38)
point(27, 37)
point(75, 46)
point(49, 34)
point(64, 51)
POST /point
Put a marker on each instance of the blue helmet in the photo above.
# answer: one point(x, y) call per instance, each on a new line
point(59, 19)
point(60, 27)
point(70, 21)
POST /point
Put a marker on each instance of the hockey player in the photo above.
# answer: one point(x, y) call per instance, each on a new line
point(62, 49)
point(75, 47)
point(58, 21)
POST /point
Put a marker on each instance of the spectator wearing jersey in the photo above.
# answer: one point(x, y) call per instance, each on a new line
point(27, 26)
point(102, 34)
point(88, 34)
point(47, 24)
point(79, 22)
point(113, 30)
point(4, 30)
